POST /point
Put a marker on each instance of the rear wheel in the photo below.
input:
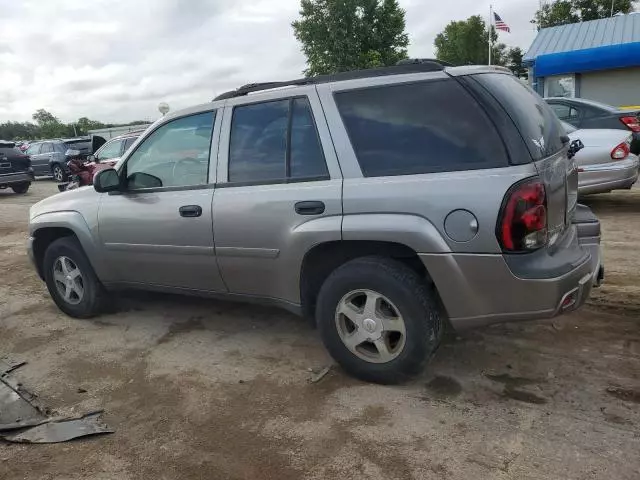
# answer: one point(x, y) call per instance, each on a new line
point(58, 173)
point(21, 187)
point(378, 320)
point(70, 279)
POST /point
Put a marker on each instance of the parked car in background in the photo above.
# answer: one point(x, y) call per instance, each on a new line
point(350, 198)
point(15, 168)
point(111, 151)
point(583, 114)
point(49, 157)
point(83, 169)
point(606, 162)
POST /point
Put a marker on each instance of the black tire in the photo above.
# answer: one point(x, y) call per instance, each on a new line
point(94, 295)
point(21, 187)
point(59, 173)
point(411, 296)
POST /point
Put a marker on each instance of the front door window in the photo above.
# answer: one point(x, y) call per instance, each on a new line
point(175, 155)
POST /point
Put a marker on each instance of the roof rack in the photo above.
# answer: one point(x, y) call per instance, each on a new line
point(411, 65)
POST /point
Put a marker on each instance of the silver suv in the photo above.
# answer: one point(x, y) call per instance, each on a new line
point(381, 203)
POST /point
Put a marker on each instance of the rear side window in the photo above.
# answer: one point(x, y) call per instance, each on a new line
point(34, 149)
point(423, 127)
point(275, 141)
point(537, 123)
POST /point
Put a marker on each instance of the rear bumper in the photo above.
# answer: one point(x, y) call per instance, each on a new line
point(605, 177)
point(479, 290)
point(18, 177)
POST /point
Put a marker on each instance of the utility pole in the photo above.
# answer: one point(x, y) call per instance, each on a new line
point(612, 2)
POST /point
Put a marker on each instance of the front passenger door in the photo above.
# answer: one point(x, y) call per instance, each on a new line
point(157, 231)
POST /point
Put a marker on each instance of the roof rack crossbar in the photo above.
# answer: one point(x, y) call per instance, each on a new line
point(414, 65)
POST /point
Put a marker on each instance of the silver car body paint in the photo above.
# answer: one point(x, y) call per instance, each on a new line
point(249, 243)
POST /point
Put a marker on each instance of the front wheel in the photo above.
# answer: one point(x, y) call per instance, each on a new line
point(70, 279)
point(378, 319)
point(58, 172)
point(21, 187)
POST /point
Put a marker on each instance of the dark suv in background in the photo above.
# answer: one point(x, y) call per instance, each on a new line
point(15, 168)
point(48, 157)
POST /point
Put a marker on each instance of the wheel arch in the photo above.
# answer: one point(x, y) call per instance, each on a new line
point(321, 260)
point(47, 228)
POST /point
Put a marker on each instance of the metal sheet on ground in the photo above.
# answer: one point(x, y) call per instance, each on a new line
point(14, 408)
point(60, 431)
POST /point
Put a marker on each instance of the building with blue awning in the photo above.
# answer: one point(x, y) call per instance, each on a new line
point(598, 60)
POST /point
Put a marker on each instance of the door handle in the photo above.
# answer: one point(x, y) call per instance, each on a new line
point(190, 211)
point(314, 207)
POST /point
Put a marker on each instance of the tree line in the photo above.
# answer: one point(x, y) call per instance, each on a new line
point(342, 35)
point(46, 125)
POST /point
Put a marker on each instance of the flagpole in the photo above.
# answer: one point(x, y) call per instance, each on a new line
point(490, 25)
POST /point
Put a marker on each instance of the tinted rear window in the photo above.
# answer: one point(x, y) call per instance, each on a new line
point(84, 146)
point(423, 127)
point(537, 123)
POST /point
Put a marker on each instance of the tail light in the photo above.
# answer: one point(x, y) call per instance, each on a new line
point(523, 219)
point(632, 123)
point(621, 151)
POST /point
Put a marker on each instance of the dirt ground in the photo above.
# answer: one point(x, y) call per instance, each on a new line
point(208, 389)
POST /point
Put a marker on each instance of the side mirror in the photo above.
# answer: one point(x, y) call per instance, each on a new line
point(92, 158)
point(106, 180)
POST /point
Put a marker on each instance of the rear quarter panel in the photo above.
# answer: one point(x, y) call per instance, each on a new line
point(383, 203)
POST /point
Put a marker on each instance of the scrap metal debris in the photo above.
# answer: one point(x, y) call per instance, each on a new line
point(22, 420)
point(63, 430)
point(320, 375)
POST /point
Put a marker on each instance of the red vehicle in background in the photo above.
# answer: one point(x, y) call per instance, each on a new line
point(81, 170)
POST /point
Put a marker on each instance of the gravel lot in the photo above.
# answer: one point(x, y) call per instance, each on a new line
point(208, 389)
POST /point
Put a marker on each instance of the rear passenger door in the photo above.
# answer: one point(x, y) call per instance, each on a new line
point(279, 191)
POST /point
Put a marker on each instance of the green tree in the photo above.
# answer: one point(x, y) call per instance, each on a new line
point(341, 35)
point(466, 42)
point(515, 63)
point(50, 126)
point(84, 124)
point(561, 12)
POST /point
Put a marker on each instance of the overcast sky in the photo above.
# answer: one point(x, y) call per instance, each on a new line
point(115, 60)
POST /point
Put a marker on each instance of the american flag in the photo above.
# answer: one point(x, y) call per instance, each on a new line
point(500, 25)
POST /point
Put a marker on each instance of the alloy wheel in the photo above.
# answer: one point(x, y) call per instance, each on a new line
point(370, 326)
point(68, 280)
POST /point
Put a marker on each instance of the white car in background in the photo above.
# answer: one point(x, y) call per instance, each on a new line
point(606, 162)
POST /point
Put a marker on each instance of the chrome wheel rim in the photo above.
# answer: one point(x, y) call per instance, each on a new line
point(68, 279)
point(57, 173)
point(370, 326)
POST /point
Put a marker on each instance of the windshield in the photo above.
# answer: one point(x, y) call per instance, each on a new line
point(537, 123)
